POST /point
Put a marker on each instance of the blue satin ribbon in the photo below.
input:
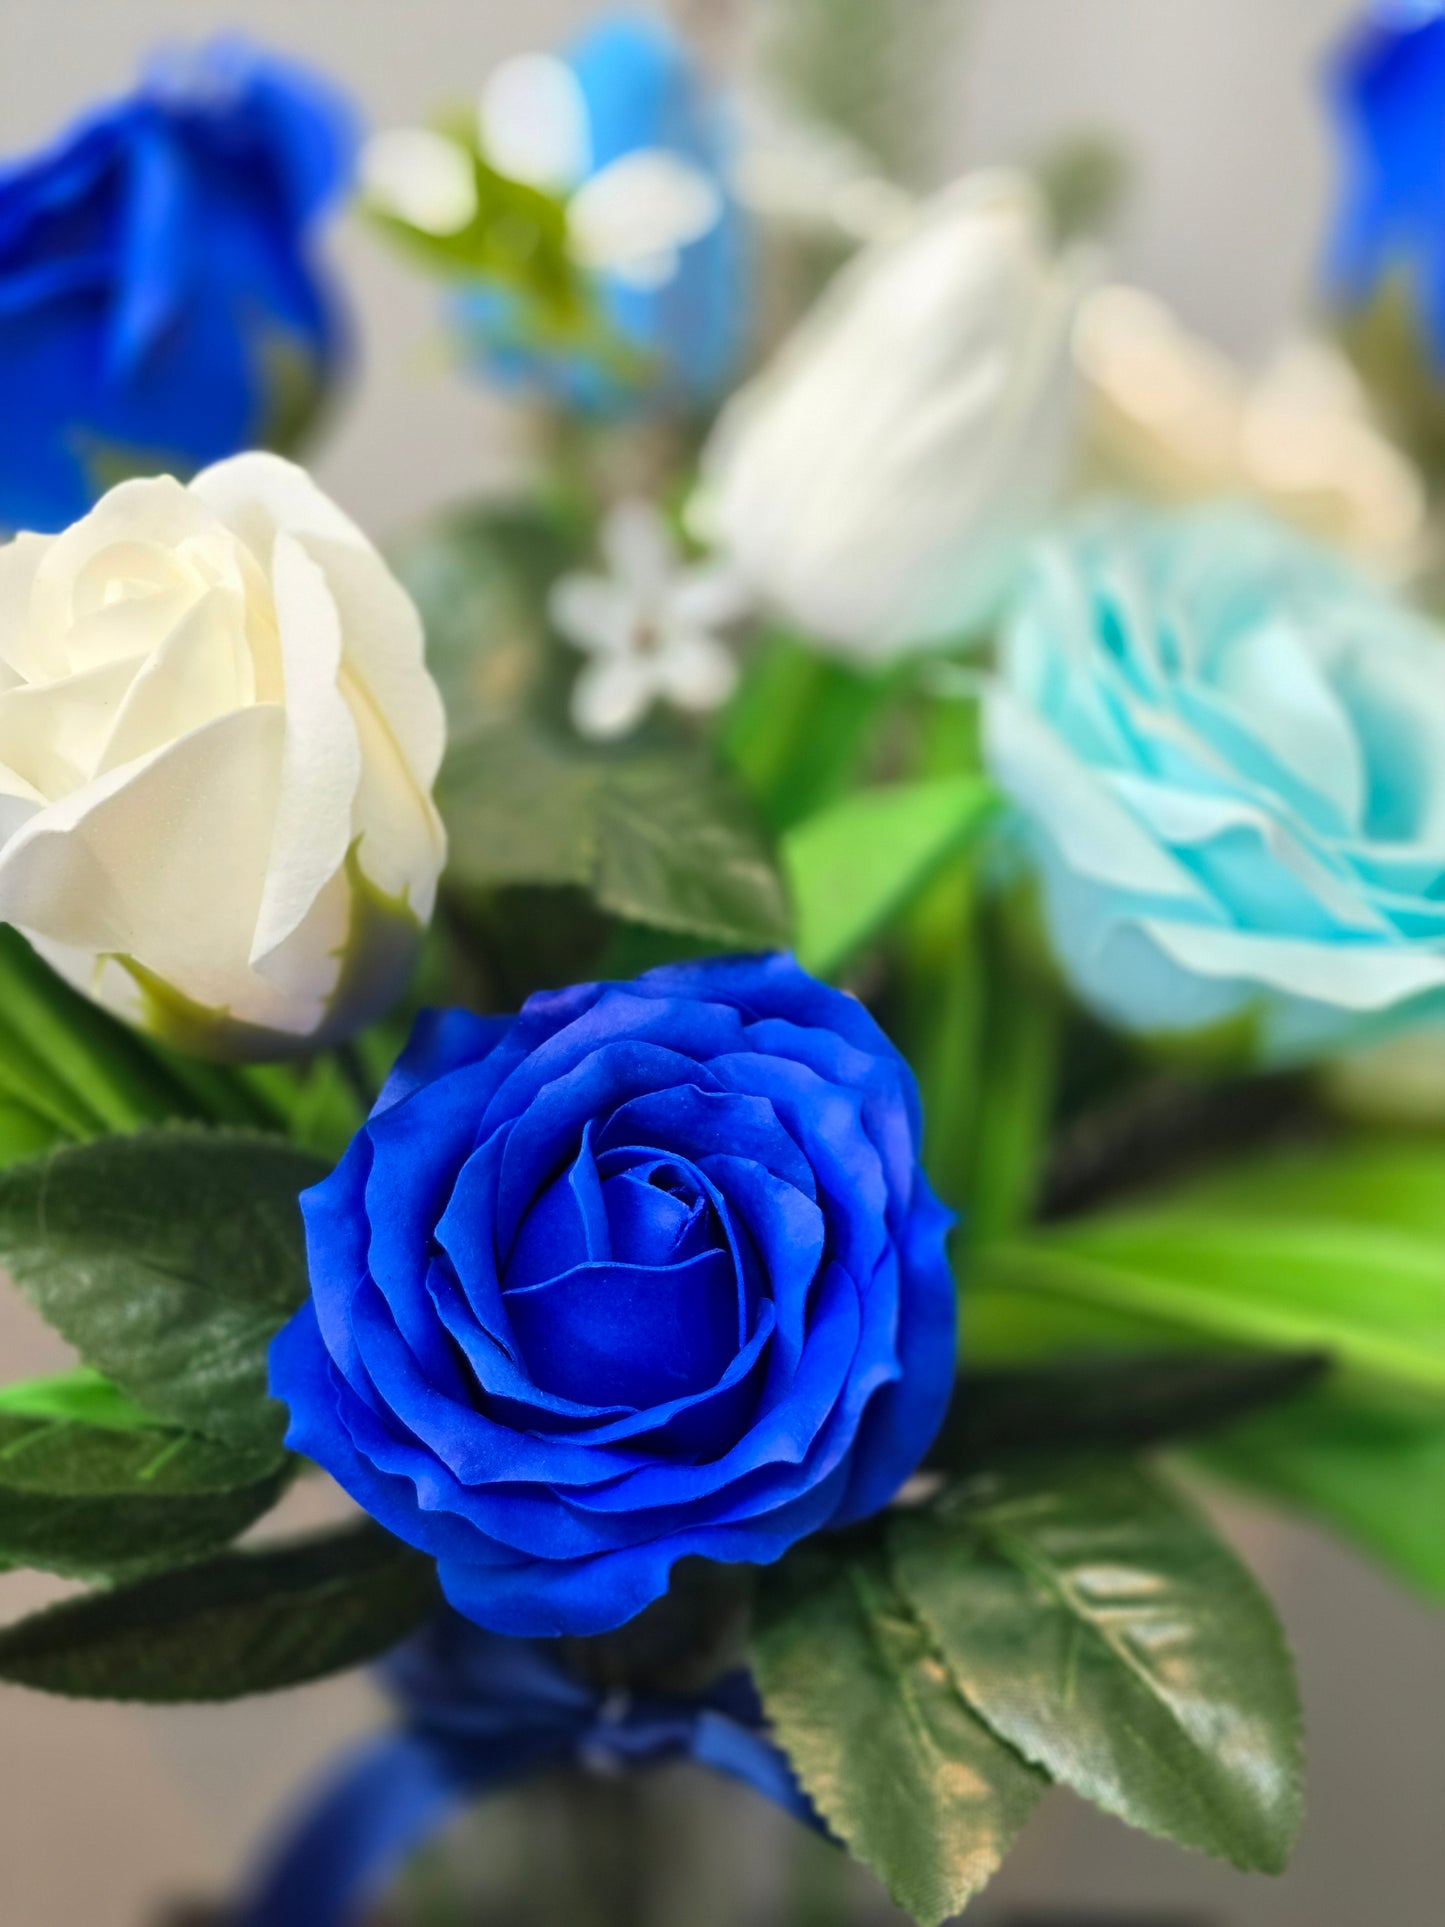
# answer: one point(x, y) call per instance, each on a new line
point(479, 1713)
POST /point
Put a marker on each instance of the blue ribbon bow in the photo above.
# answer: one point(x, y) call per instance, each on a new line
point(479, 1713)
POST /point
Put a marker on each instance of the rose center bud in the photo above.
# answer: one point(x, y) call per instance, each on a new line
point(624, 1286)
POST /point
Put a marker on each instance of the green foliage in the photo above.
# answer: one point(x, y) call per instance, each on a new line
point(656, 836)
point(82, 1499)
point(654, 831)
point(1124, 1401)
point(168, 1259)
point(1100, 1627)
point(1372, 1295)
point(857, 866)
point(245, 1622)
point(800, 726)
point(910, 1780)
point(1368, 1464)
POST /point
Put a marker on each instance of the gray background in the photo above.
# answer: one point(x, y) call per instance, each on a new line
point(108, 1811)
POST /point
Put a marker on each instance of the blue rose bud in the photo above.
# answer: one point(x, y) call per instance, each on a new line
point(626, 128)
point(160, 307)
point(1384, 270)
point(1226, 747)
point(647, 1271)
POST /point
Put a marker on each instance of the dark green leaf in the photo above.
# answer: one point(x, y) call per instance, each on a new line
point(77, 1498)
point(246, 1622)
point(169, 1259)
point(909, 1779)
point(657, 836)
point(1371, 1466)
point(1133, 1400)
point(858, 865)
point(481, 580)
point(1101, 1627)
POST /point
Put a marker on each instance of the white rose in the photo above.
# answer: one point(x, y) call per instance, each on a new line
point(877, 483)
point(218, 740)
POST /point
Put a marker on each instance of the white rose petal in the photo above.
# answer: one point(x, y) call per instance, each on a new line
point(876, 483)
point(218, 741)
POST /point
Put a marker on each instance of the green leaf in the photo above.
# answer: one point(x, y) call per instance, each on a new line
point(1133, 1401)
point(84, 1499)
point(1370, 1466)
point(246, 1622)
point(911, 1781)
point(1101, 1628)
point(655, 831)
point(79, 1396)
point(1372, 1295)
point(657, 836)
point(857, 866)
point(481, 579)
point(169, 1259)
point(1396, 1183)
point(67, 1061)
point(800, 726)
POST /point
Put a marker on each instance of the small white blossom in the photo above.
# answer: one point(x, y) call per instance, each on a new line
point(648, 624)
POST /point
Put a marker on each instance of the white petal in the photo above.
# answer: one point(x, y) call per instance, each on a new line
point(421, 178)
point(594, 612)
point(609, 698)
point(53, 735)
point(697, 672)
point(163, 862)
point(639, 550)
point(648, 272)
point(710, 598)
point(647, 203)
point(321, 762)
point(382, 639)
point(532, 121)
point(200, 671)
point(1342, 976)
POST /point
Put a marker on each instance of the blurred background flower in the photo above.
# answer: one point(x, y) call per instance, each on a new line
point(1384, 270)
point(649, 626)
point(1170, 416)
point(876, 482)
point(589, 213)
point(1226, 746)
point(161, 305)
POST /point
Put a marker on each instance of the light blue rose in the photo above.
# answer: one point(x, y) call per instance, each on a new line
point(1230, 754)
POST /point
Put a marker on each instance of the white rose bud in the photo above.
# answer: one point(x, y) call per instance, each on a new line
point(218, 740)
point(877, 482)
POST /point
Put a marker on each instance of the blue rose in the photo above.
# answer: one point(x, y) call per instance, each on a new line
point(1389, 92)
point(1227, 747)
point(649, 1270)
point(159, 305)
point(627, 128)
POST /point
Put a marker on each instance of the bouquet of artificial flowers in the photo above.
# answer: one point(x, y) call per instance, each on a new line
point(755, 1049)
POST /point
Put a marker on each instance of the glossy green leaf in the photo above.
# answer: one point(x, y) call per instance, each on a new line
point(169, 1259)
point(1129, 1401)
point(83, 1499)
point(1368, 1465)
point(246, 1622)
point(856, 867)
point(1100, 1626)
point(656, 836)
point(913, 1783)
point(1373, 1295)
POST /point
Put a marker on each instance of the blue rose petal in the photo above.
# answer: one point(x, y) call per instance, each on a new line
point(649, 1271)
